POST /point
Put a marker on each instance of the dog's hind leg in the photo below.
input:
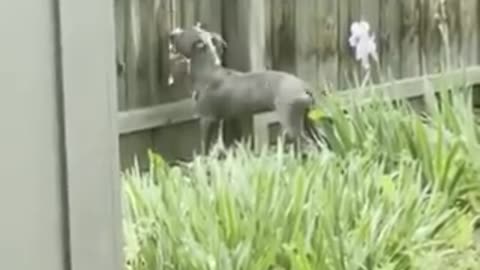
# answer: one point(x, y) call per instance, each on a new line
point(291, 117)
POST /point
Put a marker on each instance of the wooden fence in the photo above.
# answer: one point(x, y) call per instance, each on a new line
point(305, 37)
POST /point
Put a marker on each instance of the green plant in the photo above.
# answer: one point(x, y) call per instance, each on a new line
point(397, 191)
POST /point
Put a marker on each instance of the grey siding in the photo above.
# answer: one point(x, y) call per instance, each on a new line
point(59, 176)
point(31, 222)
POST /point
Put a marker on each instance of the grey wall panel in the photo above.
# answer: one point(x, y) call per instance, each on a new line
point(31, 235)
point(59, 177)
point(91, 135)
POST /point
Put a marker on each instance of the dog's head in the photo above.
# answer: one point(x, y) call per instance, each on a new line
point(189, 40)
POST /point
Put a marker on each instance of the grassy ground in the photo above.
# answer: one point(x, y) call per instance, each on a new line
point(398, 190)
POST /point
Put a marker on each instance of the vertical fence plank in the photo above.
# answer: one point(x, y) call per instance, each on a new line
point(343, 48)
point(477, 30)
point(210, 13)
point(282, 36)
point(421, 30)
point(370, 12)
point(175, 9)
point(327, 42)
point(131, 51)
point(137, 144)
point(349, 69)
point(145, 28)
point(188, 12)
point(268, 34)
point(453, 10)
point(306, 46)
point(244, 30)
point(430, 38)
point(410, 38)
point(468, 30)
point(163, 18)
point(388, 39)
point(153, 49)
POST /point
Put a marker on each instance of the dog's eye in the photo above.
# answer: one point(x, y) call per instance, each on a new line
point(200, 44)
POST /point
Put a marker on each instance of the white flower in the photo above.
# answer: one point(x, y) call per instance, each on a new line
point(363, 43)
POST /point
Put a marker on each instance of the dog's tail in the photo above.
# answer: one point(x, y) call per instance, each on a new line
point(319, 139)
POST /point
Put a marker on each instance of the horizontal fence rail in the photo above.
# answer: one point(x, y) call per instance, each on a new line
point(176, 112)
point(156, 116)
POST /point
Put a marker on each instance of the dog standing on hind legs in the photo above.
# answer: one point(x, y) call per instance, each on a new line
point(221, 93)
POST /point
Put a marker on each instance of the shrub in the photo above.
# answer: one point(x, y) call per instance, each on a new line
point(398, 190)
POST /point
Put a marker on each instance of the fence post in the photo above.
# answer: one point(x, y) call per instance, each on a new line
point(244, 31)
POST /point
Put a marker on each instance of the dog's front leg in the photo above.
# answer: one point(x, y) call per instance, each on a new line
point(208, 127)
point(205, 125)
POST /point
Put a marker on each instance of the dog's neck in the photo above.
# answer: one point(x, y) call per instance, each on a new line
point(203, 62)
point(203, 70)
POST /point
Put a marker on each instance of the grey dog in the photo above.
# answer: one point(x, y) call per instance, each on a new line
point(222, 93)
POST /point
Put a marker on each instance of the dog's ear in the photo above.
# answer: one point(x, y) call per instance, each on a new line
point(219, 43)
point(218, 40)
